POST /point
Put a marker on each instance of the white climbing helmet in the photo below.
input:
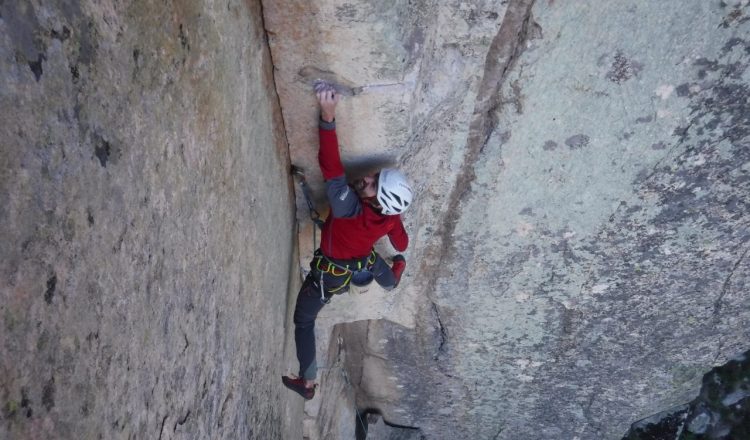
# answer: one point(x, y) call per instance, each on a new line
point(394, 191)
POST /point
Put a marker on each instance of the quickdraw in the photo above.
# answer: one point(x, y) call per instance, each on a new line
point(314, 214)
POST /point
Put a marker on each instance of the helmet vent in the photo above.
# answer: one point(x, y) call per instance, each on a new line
point(394, 192)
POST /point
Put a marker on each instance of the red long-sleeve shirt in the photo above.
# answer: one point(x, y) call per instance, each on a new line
point(352, 227)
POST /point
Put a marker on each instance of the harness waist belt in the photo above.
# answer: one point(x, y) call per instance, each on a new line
point(342, 268)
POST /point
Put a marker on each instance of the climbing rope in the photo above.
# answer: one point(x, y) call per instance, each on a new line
point(307, 193)
point(359, 415)
point(315, 218)
point(348, 383)
point(314, 214)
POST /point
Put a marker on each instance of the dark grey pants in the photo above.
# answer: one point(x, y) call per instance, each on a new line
point(309, 303)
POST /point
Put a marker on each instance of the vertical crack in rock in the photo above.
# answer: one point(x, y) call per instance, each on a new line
point(266, 32)
point(499, 431)
point(365, 349)
point(187, 343)
point(50, 292)
point(443, 331)
point(161, 430)
point(222, 413)
point(182, 421)
point(588, 414)
point(504, 50)
point(719, 350)
point(725, 287)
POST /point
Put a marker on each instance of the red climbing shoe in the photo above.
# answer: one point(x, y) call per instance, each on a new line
point(399, 264)
point(297, 384)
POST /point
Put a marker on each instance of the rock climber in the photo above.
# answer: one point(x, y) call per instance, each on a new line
point(361, 213)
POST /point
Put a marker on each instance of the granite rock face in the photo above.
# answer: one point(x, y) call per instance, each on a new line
point(579, 241)
point(147, 222)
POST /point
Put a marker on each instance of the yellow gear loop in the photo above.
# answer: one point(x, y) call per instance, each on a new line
point(340, 271)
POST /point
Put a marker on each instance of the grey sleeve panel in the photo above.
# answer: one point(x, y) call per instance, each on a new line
point(344, 201)
point(326, 125)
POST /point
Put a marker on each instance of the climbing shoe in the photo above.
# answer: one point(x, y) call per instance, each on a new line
point(297, 384)
point(399, 264)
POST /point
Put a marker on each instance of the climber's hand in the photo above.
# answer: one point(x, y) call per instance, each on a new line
point(328, 99)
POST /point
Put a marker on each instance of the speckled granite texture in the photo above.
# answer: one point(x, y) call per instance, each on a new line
point(146, 223)
point(581, 232)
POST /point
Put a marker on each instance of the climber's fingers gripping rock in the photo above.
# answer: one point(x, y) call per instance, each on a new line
point(328, 99)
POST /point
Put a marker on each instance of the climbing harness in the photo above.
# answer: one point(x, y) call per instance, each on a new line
point(357, 272)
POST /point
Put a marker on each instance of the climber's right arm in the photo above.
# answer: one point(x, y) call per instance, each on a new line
point(342, 198)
